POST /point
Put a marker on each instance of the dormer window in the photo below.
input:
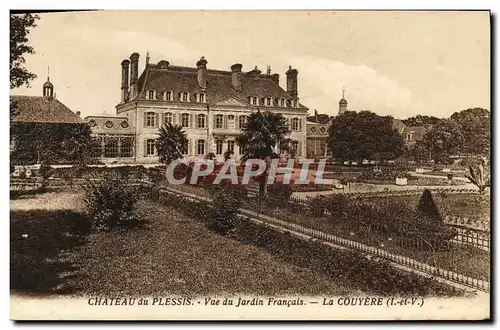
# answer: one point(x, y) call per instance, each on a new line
point(185, 97)
point(201, 98)
point(269, 102)
point(167, 96)
point(254, 100)
point(150, 95)
point(295, 103)
point(282, 103)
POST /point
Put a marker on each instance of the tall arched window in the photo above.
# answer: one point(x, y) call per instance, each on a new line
point(151, 95)
point(185, 97)
point(185, 120)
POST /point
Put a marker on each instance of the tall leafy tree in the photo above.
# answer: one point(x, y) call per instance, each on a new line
point(476, 131)
point(52, 143)
point(364, 135)
point(260, 137)
point(444, 140)
point(20, 26)
point(171, 143)
point(420, 120)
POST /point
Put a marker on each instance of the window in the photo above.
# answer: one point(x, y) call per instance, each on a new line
point(167, 96)
point(283, 103)
point(218, 149)
point(295, 124)
point(185, 149)
point(150, 147)
point(150, 95)
point(201, 98)
point(254, 100)
point(126, 147)
point(242, 121)
point(110, 148)
point(169, 118)
point(200, 150)
point(295, 147)
point(230, 147)
point(185, 97)
point(230, 121)
point(269, 102)
point(295, 103)
point(219, 121)
point(201, 121)
point(150, 119)
point(185, 120)
point(96, 147)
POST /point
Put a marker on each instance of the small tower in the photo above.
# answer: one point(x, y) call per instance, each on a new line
point(48, 88)
point(342, 103)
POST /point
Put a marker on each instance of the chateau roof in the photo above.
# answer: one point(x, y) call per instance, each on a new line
point(37, 109)
point(185, 79)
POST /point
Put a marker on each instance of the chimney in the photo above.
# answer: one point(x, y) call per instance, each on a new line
point(291, 81)
point(255, 73)
point(236, 76)
point(78, 113)
point(201, 65)
point(276, 78)
point(125, 82)
point(134, 75)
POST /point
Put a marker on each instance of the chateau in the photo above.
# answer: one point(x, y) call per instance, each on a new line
point(211, 105)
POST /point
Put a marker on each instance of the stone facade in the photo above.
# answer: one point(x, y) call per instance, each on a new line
point(211, 105)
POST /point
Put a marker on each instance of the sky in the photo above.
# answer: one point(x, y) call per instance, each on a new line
point(392, 63)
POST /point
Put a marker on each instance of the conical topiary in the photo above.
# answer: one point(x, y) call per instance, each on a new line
point(428, 207)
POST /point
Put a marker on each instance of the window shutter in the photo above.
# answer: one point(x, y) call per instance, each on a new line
point(214, 121)
point(179, 119)
point(145, 119)
point(190, 147)
point(157, 120)
point(299, 149)
point(191, 124)
point(145, 147)
point(225, 121)
point(237, 121)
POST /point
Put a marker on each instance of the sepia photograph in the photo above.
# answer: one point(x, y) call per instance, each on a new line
point(250, 165)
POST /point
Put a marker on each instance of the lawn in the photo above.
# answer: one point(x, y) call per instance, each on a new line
point(52, 251)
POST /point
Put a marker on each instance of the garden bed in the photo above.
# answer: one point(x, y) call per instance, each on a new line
point(462, 259)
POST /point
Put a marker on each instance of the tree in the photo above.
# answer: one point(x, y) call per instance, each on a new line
point(420, 120)
point(171, 143)
point(52, 143)
point(262, 133)
point(364, 135)
point(475, 127)
point(20, 26)
point(444, 140)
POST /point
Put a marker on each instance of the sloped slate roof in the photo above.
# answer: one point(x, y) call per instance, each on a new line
point(184, 79)
point(37, 109)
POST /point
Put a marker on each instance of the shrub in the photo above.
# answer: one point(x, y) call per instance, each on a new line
point(111, 204)
point(225, 210)
point(46, 171)
point(280, 192)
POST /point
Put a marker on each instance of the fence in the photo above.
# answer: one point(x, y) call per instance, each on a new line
point(258, 210)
